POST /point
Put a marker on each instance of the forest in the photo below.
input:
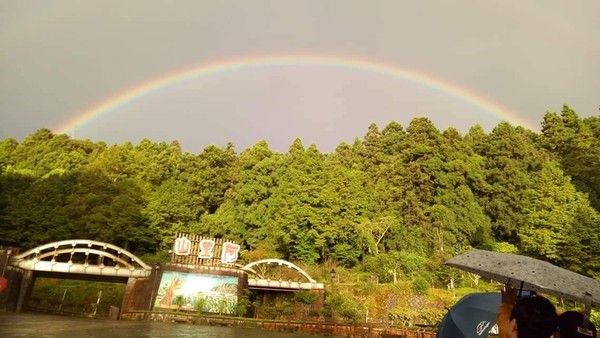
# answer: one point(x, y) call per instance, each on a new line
point(395, 204)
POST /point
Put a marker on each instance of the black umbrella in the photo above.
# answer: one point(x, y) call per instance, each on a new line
point(472, 317)
point(529, 273)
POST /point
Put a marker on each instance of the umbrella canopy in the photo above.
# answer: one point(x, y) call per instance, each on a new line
point(472, 317)
point(529, 273)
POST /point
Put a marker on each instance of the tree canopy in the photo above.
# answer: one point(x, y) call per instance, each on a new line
point(396, 201)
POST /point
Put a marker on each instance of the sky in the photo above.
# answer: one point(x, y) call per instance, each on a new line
point(211, 72)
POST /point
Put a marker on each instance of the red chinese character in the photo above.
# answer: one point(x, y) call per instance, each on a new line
point(206, 248)
point(230, 253)
point(182, 246)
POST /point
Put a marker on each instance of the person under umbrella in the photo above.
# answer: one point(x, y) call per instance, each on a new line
point(473, 316)
point(570, 325)
point(533, 317)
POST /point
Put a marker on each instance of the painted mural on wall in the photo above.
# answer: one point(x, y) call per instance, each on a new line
point(197, 292)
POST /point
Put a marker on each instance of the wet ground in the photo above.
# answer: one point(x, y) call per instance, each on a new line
point(33, 325)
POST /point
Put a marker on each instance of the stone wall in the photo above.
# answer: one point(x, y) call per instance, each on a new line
point(138, 294)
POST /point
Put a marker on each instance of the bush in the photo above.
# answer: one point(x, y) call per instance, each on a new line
point(243, 304)
point(306, 297)
point(179, 301)
point(420, 286)
point(341, 306)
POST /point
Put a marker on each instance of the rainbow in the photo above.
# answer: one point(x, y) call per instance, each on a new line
point(172, 79)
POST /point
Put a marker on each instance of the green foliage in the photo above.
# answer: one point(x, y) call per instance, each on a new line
point(243, 304)
point(561, 223)
point(391, 206)
point(420, 286)
point(505, 248)
point(78, 296)
point(394, 204)
point(155, 257)
point(306, 297)
point(200, 303)
point(595, 318)
point(341, 307)
point(346, 254)
point(575, 143)
point(179, 301)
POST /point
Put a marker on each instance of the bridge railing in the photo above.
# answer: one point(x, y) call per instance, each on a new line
point(83, 257)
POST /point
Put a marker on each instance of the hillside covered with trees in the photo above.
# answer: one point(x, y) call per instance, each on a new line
point(396, 203)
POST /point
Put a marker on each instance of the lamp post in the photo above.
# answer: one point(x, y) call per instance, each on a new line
point(333, 274)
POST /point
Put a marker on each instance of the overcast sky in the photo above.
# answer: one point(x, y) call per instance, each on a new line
point(58, 59)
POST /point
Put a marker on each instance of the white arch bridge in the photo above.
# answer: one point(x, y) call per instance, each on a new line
point(83, 257)
point(263, 282)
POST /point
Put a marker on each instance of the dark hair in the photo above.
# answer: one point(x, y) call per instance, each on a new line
point(536, 317)
point(569, 321)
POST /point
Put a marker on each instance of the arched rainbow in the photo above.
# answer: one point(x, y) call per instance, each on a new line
point(171, 79)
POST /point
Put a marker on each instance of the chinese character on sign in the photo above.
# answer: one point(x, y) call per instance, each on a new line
point(206, 248)
point(230, 253)
point(182, 246)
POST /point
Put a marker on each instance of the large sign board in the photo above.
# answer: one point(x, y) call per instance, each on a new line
point(199, 250)
point(197, 292)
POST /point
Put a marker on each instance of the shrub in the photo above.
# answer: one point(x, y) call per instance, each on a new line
point(420, 286)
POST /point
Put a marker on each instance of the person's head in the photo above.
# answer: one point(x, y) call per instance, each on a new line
point(570, 325)
point(533, 317)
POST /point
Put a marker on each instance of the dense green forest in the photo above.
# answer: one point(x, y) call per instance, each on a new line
point(395, 203)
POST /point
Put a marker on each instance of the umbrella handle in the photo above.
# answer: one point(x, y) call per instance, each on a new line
point(521, 291)
point(506, 284)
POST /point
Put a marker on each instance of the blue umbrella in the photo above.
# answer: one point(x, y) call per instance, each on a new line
point(472, 317)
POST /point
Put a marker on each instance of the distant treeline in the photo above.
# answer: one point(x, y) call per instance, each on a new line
point(396, 203)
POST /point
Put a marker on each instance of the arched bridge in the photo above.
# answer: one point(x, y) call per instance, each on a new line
point(86, 259)
point(265, 282)
point(82, 256)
